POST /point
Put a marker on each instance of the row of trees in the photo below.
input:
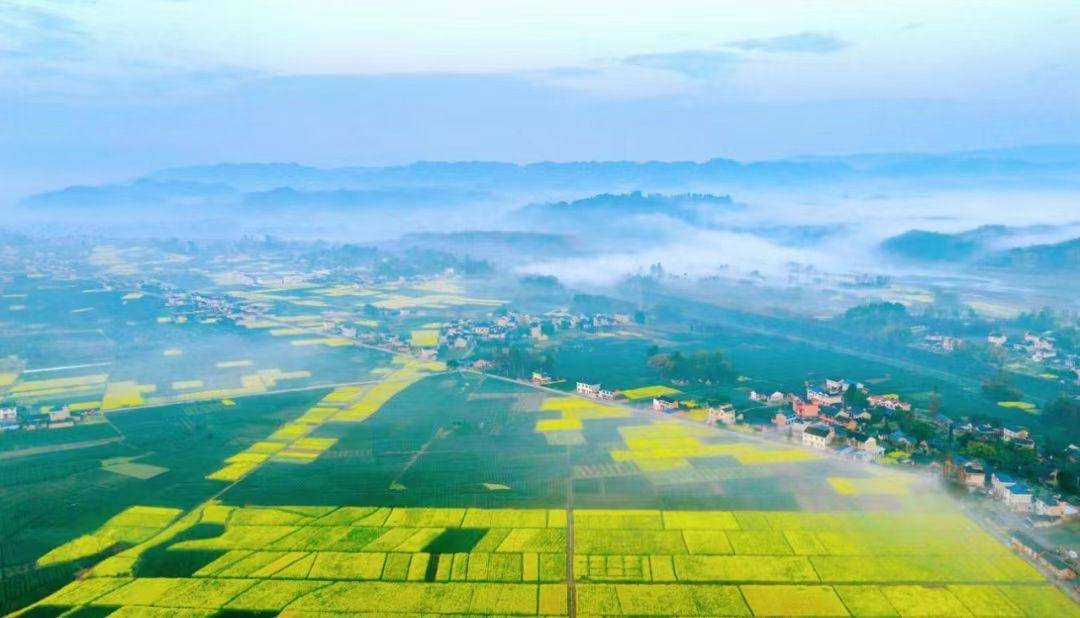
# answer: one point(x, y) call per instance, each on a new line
point(700, 366)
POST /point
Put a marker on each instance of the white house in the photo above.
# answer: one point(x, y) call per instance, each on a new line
point(664, 405)
point(817, 436)
point(1048, 505)
point(9, 414)
point(820, 397)
point(541, 378)
point(588, 390)
point(723, 414)
point(58, 414)
point(1017, 497)
point(999, 482)
point(836, 386)
point(1012, 433)
point(892, 402)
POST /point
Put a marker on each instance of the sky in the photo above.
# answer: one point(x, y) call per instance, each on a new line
point(100, 90)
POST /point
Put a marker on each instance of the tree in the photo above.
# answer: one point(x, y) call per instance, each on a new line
point(698, 366)
point(1068, 480)
point(1064, 412)
point(999, 386)
point(856, 397)
point(922, 431)
point(980, 450)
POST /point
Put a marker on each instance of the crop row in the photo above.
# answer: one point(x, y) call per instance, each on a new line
point(592, 598)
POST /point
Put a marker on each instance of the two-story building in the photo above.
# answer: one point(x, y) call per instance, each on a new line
point(999, 482)
point(973, 475)
point(817, 436)
point(663, 404)
point(723, 414)
point(1017, 497)
point(588, 390)
point(1046, 504)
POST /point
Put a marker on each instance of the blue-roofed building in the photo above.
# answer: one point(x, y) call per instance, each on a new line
point(999, 481)
point(1017, 497)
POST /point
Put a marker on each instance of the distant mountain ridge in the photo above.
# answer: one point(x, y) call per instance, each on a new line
point(140, 192)
point(509, 175)
point(1042, 165)
point(288, 198)
point(979, 247)
point(491, 243)
point(607, 209)
point(921, 245)
point(1062, 256)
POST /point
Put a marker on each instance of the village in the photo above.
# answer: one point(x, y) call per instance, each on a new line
point(50, 417)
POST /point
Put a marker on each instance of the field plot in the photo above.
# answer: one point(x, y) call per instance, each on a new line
point(648, 392)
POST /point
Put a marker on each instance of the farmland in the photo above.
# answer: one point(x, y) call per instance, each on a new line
point(392, 513)
point(513, 561)
point(267, 464)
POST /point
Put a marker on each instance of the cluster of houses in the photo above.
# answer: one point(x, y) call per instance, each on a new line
point(942, 344)
point(1039, 348)
point(1042, 506)
point(826, 422)
point(516, 325)
point(56, 417)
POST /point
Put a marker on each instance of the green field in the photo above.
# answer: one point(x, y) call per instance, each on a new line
point(445, 498)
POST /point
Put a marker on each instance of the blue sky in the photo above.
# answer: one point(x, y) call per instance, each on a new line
point(100, 89)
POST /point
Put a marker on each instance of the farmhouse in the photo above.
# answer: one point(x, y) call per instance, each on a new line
point(723, 414)
point(784, 420)
point(823, 398)
point(889, 402)
point(1025, 544)
point(663, 404)
point(59, 414)
point(1046, 504)
point(817, 436)
point(865, 442)
point(804, 409)
point(1012, 432)
point(973, 475)
point(999, 481)
point(541, 378)
point(588, 390)
point(1017, 497)
point(836, 386)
